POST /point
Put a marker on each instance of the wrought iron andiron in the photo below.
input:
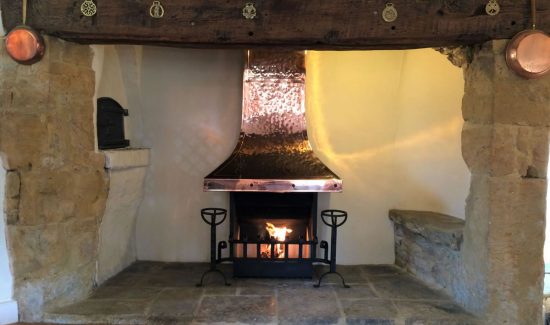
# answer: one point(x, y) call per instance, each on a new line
point(210, 216)
point(336, 218)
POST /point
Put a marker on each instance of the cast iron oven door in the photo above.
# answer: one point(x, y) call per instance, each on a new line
point(110, 124)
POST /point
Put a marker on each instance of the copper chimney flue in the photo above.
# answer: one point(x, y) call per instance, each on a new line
point(273, 153)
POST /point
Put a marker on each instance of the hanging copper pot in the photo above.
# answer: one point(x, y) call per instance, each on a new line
point(528, 53)
point(24, 44)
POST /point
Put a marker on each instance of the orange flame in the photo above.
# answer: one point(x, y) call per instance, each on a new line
point(279, 233)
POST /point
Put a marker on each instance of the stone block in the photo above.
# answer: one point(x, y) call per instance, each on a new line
point(521, 103)
point(30, 94)
point(57, 210)
point(500, 150)
point(37, 250)
point(30, 299)
point(13, 185)
point(476, 146)
point(83, 236)
point(78, 55)
point(35, 295)
point(23, 139)
point(478, 100)
point(533, 143)
point(65, 69)
point(54, 196)
point(12, 196)
point(494, 94)
point(504, 158)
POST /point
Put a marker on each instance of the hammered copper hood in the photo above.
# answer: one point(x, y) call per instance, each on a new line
point(273, 153)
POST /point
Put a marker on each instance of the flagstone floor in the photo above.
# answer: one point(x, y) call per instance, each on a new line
point(165, 293)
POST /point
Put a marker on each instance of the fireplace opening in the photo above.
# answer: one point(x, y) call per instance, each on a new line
point(273, 234)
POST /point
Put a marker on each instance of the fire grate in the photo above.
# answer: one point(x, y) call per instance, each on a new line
point(257, 262)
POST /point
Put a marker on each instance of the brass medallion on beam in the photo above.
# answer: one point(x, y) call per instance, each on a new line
point(88, 8)
point(156, 10)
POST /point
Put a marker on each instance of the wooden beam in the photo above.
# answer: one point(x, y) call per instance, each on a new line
point(312, 24)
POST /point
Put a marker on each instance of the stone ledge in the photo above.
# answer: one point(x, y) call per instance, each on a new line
point(436, 227)
point(126, 158)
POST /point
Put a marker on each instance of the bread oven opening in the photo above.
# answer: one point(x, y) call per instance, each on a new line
point(273, 234)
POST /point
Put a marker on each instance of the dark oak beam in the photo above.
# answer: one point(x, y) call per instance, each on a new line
point(312, 24)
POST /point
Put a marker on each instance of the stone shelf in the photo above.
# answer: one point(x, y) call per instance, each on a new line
point(428, 245)
point(436, 227)
point(126, 158)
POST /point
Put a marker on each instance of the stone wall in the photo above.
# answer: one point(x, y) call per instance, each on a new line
point(56, 185)
point(505, 145)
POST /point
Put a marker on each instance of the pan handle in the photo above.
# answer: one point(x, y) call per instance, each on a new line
point(534, 13)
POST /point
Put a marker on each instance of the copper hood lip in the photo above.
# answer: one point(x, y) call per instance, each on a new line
point(273, 153)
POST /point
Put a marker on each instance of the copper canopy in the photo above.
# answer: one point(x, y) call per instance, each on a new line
point(273, 153)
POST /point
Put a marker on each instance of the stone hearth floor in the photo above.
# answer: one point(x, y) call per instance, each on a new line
point(165, 293)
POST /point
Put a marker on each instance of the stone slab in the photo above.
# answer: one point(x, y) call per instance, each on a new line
point(433, 313)
point(401, 287)
point(174, 304)
point(245, 309)
point(438, 228)
point(369, 311)
point(307, 305)
point(380, 270)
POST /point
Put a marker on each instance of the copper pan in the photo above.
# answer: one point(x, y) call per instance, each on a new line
point(23, 43)
point(528, 53)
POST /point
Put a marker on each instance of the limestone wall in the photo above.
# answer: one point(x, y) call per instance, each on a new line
point(505, 145)
point(55, 185)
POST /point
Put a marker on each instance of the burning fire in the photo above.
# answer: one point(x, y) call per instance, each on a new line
point(279, 233)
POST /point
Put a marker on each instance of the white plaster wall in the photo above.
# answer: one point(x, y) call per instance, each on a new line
point(126, 168)
point(8, 307)
point(428, 140)
point(389, 123)
point(117, 242)
point(547, 240)
point(2, 30)
point(191, 103)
